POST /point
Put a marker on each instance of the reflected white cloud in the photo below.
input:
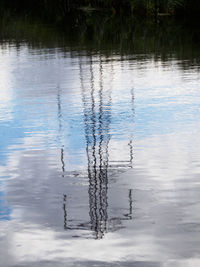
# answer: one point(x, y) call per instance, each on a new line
point(99, 149)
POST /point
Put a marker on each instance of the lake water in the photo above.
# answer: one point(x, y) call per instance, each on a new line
point(99, 155)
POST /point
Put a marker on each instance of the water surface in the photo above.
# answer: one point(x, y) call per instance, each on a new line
point(99, 156)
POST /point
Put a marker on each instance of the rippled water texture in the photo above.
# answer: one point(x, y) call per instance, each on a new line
point(99, 158)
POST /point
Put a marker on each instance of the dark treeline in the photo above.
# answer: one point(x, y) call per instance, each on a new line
point(61, 9)
point(125, 36)
point(119, 35)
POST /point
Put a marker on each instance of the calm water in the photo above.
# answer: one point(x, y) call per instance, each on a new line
point(99, 157)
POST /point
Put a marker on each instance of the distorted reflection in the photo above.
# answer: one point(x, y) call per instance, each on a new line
point(99, 143)
point(97, 115)
point(60, 130)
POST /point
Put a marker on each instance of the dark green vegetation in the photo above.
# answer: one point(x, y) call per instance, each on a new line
point(59, 10)
point(125, 36)
point(82, 24)
point(96, 25)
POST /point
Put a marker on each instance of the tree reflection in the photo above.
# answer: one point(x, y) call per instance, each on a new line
point(97, 111)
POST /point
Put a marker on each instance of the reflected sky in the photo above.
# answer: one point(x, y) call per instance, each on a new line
point(99, 159)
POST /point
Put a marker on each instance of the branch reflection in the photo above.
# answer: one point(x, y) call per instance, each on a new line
point(97, 111)
point(60, 130)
